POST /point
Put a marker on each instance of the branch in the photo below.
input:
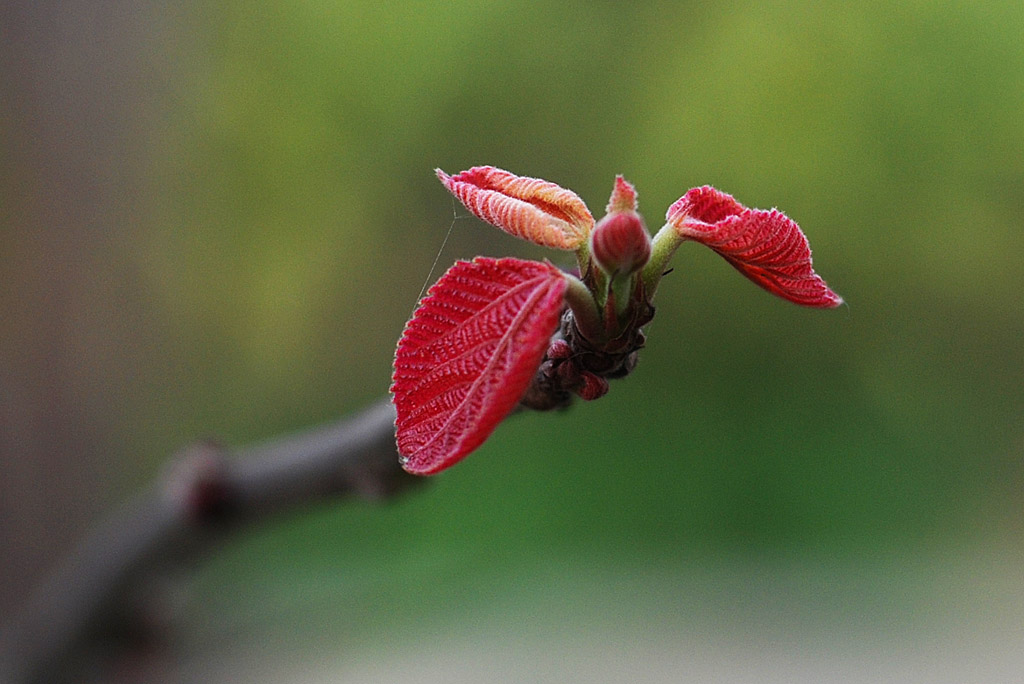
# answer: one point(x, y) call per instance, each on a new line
point(94, 603)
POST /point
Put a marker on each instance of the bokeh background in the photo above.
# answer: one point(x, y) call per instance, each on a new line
point(217, 217)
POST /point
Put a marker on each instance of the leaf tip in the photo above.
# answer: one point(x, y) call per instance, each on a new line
point(623, 196)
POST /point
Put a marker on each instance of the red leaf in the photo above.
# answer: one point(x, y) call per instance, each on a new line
point(533, 209)
point(623, 196)
point(468, 355)
point(766, 246)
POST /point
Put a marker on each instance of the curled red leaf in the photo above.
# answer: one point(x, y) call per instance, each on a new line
point(468, 355)
point(533, 209)
point(766, 246)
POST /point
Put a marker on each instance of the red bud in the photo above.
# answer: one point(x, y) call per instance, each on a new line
point(620, 244)
point(594, 386)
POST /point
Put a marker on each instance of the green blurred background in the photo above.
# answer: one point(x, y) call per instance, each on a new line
point(216, 220)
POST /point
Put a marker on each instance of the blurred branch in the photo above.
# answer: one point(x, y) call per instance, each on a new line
point(97, 600)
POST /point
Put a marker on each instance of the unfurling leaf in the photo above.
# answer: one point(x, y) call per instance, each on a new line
point(623, 196)
point(766, 246)
point(533, 209)
point(468, 355)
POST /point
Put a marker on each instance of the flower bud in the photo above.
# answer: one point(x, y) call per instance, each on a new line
point(620, 244)
point(593, 387)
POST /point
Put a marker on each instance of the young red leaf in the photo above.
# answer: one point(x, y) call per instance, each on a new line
point(468, 355)
point(623, 196)
point(533, 209)
point(766, 246)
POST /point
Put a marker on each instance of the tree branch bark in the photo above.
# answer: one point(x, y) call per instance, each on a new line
point(95, 603)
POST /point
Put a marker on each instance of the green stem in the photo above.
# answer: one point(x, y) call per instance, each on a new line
point(585, 310)
point(583, 260)
point(663, 246)
point(621, 289)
